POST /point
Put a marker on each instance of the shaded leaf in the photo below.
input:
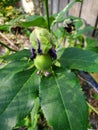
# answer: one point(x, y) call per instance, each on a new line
point(85, 30)
point(34, 20)
point(18, 89)
point(92, 44)
point(75, 58)
point(60, 32)
point(52, 18)
point(62, 102)
point(19, 55)
point(14, 67)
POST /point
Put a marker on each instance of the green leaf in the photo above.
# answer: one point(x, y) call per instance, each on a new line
point(62, 102)
point(85, 30)
point(59, 32)
point(75, 58)
point(19, 55)
point(34, 114)
point(34, 21)
point(5, 27)
point(14, 67)
point(79, 0)
point(92, 44)
point(52, 18)
point(18, 90)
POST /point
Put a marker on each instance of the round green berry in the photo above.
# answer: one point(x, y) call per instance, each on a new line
point(43, 62)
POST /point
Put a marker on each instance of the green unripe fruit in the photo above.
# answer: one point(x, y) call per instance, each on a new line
point(43, 62)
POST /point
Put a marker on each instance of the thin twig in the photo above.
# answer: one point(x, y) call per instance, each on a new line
point(7, 47)
point(92, 108)
point(3, 36)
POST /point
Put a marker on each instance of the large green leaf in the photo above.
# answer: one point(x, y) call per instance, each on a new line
point(34, 20)
point(62, 102)
point(14, 67)
point(18, 89)
point(19, 55)
point(76, 58)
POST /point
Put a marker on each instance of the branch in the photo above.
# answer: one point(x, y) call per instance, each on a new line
point(7, 47)
point(2, 35)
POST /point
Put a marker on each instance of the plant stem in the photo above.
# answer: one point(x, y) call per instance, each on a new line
point(47, 13)
point(7, 47)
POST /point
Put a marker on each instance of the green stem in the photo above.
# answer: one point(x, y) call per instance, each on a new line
point(47, 13)
point(7, 47)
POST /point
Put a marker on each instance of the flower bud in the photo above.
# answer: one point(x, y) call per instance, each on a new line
point(41, 40)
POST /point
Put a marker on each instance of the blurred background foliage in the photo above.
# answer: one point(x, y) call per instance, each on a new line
point(8, 2)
